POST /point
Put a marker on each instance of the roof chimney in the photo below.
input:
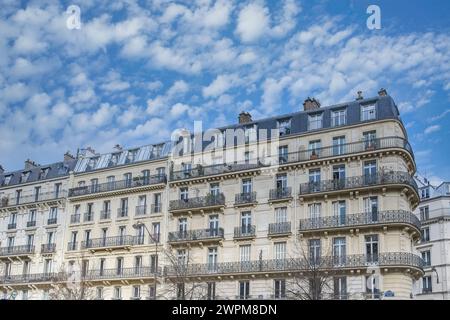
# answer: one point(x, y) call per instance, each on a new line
point(118, 147)
point(310, 104)
point(382, 92)
point(68, 156)
point(1, 169)
point(360, 96)
point(245, 117)
point(30, 164)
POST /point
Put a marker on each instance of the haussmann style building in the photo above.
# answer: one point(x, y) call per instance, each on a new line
point(317, 204)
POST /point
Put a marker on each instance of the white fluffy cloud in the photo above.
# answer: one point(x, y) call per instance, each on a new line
point(253, 22)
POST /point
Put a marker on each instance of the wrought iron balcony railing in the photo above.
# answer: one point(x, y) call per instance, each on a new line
point(31, 224)
point(245, 198)
point(141, 210)
point(117, 185)
point(12, 226)
point(105, 214)
point(17, 250)
point(244, 231)
point(397, 259)
point(380, 178)
point(280, 193)
point(118, 241)
point(193, 235)
point(28, 278)
point(209, 200)
point(279, 228)
point(88, 216)
point(361, 219)
point(293, 157)
point(48, 248)
point(13, 200)
point(52, 221)
point(75, 218)
point(122, 212)
point(72, 246)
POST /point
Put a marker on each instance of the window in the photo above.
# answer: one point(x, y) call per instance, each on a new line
point(368, 112)
point(43, 173)
point(314, 180)
point(153, 262)
point(136, 292)
point(24, 294)
point(57, 189)
point(339, 176)
point(24, 176)
point(187, 168)
point(426, 256)
point(424, 213)
point(48, 266)
point(180, 291)
point(160, 172)
point(10, 242)
point(372, 286)
point(151, 292)
point(156, 227)
point(314, 251)
point(119, 266)
point(281, 215)
point(246, 222)
point(246, 186)
point(146, 176)
point(123, 210)
point(211, 294)
point(244, 290)
point(339, 212)
point(340, 288)
point(7, 180)
point(94, 185)
point(32, 218)
point(157, 203)
point(425, 192)
point(315, 121)
point(18, 196)
point(181, 256)
point(372, 248)
point(214, 189)
point(110, 182)
point(339, 251)
point(37, 191)
point(213, 224)
point(370, 140)
point(127, 177)
point(250, 133)
point(73, 240)
point(338, 145)
point(426, 234)
point(30, 240)
point(117, 293)
point(182, 226)
point(114, 159)
point(244, 253)
point(279, 250)
point(371, 208)
point(282, 154)
point(45, 294)
point(212, 258)
point(279, 289)
point(281, 182)
point(284, 126)
point(427, 285)
point(315, 213)
point(370, 172)
point(184, 194)
point(338, 117)
point(314, 148)
point(131, 156)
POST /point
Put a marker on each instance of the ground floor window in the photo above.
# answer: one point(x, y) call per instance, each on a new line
point(280, 289)
point(211, 290)
point(244, 289)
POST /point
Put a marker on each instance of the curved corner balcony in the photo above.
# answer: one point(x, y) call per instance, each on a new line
point(198, 236)
point(119, 187)
point(316, 154)
point(19, 252)
point(405, 260)
point(359, 182)
point(361, 220)
point(208, 202)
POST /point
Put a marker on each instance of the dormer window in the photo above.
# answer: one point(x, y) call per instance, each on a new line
point(92, 163)
point(63, 169)
point(131, 157)
point(338, 117)
point(24, 177)
point(284, 126)
point(43, 173)
point(114, 159)
point(7, 180)
point(157, 150)
point(368, 112)
point(315, 121)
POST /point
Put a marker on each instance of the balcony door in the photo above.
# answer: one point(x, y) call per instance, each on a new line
point(372, 248)
point(213, 225)
point(246, 186)
point(339, 212)
point(281, 182)
point(339, 176)
point(339, 251)
point(315, 213)
point(246, 222)
point(371, 209)
point(314, 180)
point(281, 215)
point(244, 256)
point(119, 266)
point(369, 139)
point(370, 172)
point(212, 259)
point(338, 145)
point(244, 290)
point(314, 251)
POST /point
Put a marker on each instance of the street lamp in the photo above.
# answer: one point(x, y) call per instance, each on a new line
point(137, 226)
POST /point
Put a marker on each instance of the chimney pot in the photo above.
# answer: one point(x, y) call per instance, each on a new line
point(360, 96)
point(310, 104)
point(68, 156)
point(382, 92)
point(245, 117)
point(29, 164)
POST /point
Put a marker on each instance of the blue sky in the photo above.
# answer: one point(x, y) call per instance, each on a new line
point(136, 70)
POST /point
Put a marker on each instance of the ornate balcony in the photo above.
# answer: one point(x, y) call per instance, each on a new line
point(12, 226)
point(196, 236)
point(17, 251)
point(209, 201)
point(134, 273)
point(380, 178)
point(31, 224)
point(361, 220)
point(75, 218)
point(116, 186)
point(72, 246)
point(279, 229)
point(244, 232)
point(280, 194)
point(53, 198)
point(48, 248)
point(348, 262)
point(51, 221)
point(118, 242)
point(245, 199)
point(296, 157)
